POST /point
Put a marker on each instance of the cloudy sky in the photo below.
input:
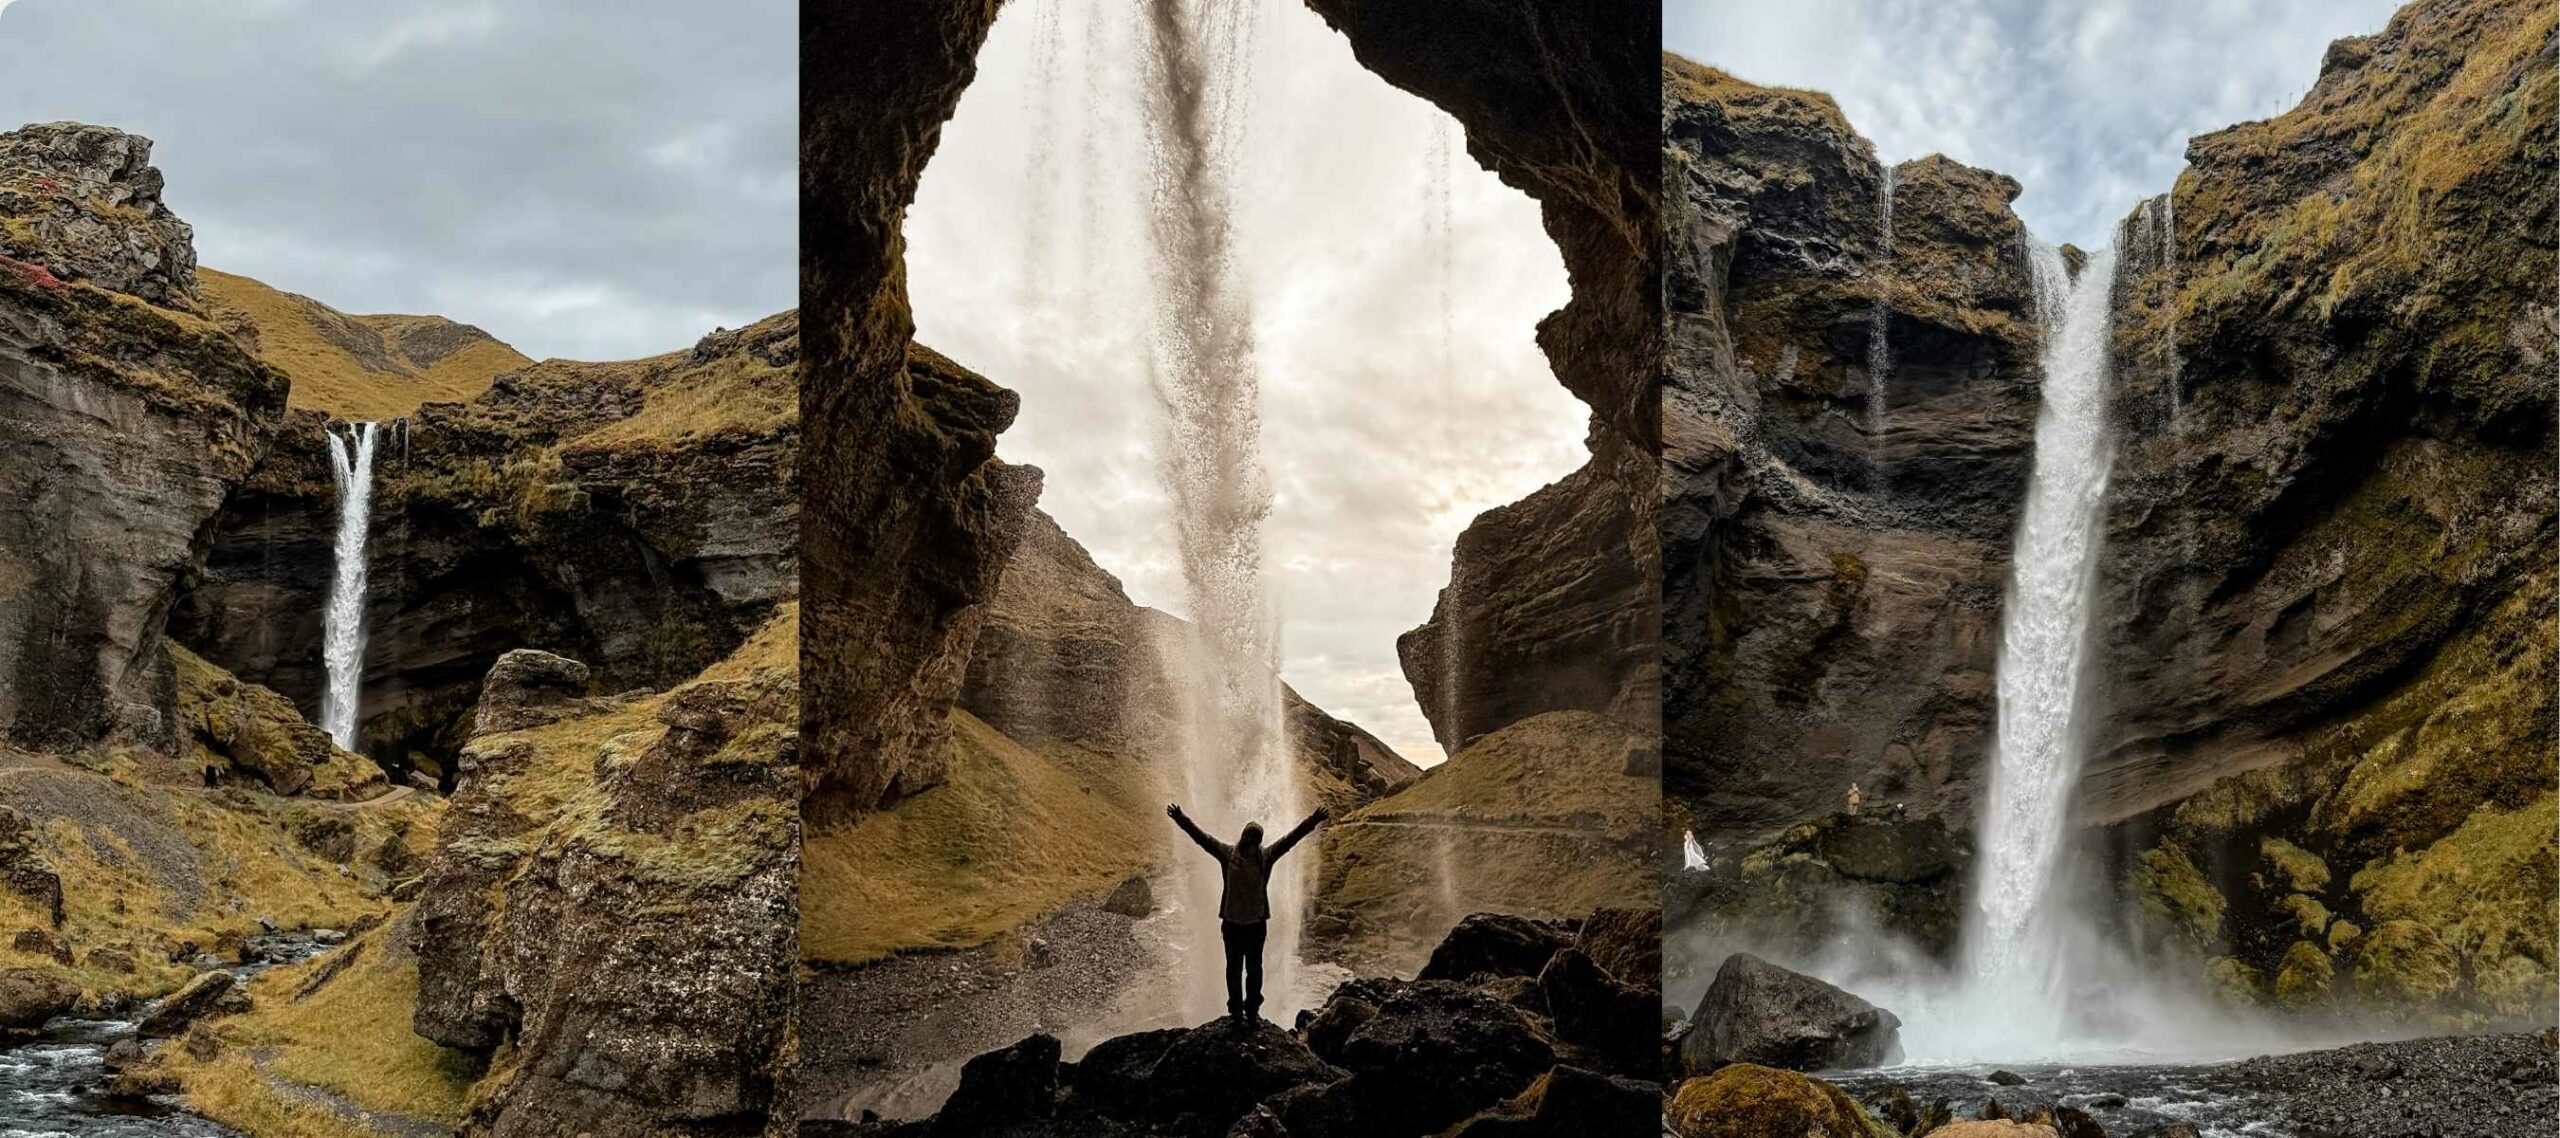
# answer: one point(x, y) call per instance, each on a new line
point(1403, 392)
point(2088, 104)
point(591, 179)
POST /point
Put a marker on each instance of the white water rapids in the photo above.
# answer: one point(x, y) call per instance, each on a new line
point(342, 625)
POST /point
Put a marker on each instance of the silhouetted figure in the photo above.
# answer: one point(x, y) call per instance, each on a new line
point(1244, 909)
point(212, 776)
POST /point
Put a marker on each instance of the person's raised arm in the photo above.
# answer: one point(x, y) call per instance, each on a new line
point(1216, 848)
point(1304, 828)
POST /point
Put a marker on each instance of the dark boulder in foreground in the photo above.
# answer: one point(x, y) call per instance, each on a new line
point(1382, 1058)
point(1757, 1012)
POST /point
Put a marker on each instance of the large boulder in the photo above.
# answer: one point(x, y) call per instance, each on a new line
point(1756, 1012)
point(23, 868)
point(526, 688)
point(1592, 1010)
point(1749, 1101)
point(1210, 1076)
point(1423, 1054)
point(1496, 944)
point(1570, 1102)
point(28, 998)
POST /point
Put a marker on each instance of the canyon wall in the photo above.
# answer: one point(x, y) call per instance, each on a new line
point(1837, 533)
point(2327, 604)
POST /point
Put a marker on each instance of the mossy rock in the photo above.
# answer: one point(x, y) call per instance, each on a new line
point(1749, 1101)
point(2229, 980)
point(225, 722)
point(2404, 963)
point(2342, 934)
point(2306, 976)
point(2175, 894)
point(2308, 914)
point(2516, 987)
point(2299, 869)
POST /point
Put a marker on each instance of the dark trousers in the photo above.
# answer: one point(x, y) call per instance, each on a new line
point(1244, 964)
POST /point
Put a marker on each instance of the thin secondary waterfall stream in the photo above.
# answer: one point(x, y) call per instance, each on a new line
point(342, 625)
point(1236, 765)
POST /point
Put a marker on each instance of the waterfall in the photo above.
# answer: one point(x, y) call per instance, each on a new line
point(1879, 350)
point(1236, 763)
point(2014, 940)
point(1042, 97)
point(342, 625)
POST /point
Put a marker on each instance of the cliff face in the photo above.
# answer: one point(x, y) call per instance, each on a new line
point(612, 897)
point(2326, 608)
point(125, 420)
point(1836, 519)
point(640, 515)
point(911, 516)
point(1063, 656)
point(1553, 602)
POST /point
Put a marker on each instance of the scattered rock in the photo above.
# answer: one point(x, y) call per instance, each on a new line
point(2007, 1078)
point(1757, 1012)
point(111, 960)
point(527, 688)
point(38, 942)
point(197, 998)
point(23, 869)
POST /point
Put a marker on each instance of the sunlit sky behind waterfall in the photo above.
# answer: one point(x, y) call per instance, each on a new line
point(1026, 259)
point(590, 179)
point(2088, 104)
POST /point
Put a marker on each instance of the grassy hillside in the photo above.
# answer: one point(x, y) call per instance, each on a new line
point(1013, 834)
point(1539, 818)
point(357, 367)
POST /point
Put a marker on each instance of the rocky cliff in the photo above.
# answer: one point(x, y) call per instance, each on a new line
point(1836, 516)
point(1553, 602)
point(611, 906)
point(2326, 606)
point(911, 516)
point(126, 419)
point(641, 516)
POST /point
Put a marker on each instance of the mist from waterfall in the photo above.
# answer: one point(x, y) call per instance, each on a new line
point(1236, 765)
point(342, 624)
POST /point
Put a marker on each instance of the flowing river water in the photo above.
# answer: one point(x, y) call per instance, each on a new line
point(55, 1085)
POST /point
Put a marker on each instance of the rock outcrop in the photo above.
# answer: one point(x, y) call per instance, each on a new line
point(125, 422)
point(222, 723)
point(83, 202)
point(1554, 603)
point(612, 899)
point(1838, 519)
point(639, 516)
point(1759, 1013)
point(1747, 1101)
point(1817, 883)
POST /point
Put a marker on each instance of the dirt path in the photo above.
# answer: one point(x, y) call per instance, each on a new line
point(346, 1110)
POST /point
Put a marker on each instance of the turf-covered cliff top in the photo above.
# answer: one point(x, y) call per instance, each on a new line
point(356, 367)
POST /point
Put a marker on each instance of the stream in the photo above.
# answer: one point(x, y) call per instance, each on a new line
point(54, 1085)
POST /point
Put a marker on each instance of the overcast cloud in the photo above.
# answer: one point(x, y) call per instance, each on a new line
point(1026, 260)
point(591, 179)
point(2088, 104)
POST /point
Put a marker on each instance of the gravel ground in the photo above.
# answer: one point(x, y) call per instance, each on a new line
point(891, 1037)
point(2489, 1086)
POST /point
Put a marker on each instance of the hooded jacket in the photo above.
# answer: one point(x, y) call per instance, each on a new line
point(1247, 867)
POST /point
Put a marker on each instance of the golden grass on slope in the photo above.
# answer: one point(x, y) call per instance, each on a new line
point(1013, 834)
point(732, 393)
point(352, 1037)
point(294, 338)
point(228, 1090)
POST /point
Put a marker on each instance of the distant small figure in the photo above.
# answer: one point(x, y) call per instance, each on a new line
point(1693, 857)
point(212, 776)
point(1857, 798)
point(1244, 909)
point(1900, 814)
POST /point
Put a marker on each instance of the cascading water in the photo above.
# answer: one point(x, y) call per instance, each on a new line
point(2014, 944)
point(1235, 761)
point(342, 625)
